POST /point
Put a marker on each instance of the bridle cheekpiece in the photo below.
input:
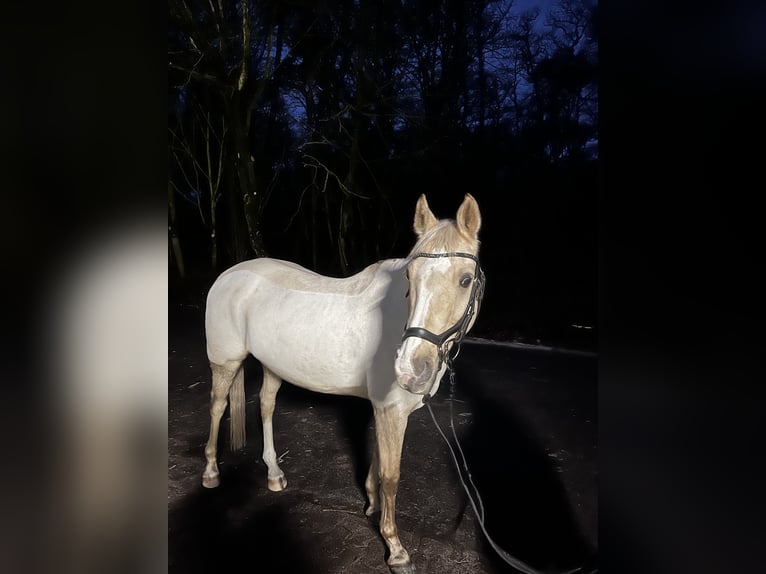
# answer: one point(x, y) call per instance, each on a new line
point(460, 328)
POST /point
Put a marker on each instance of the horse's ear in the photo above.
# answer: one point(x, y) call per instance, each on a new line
point(424, 219)
point(469, 217)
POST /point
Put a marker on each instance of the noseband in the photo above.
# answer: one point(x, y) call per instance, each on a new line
point(459, 328)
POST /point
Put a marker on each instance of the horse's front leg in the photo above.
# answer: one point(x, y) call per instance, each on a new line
point(390, 424)
point(372, 484)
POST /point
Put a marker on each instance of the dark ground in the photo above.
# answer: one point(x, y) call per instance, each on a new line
point(526, 420)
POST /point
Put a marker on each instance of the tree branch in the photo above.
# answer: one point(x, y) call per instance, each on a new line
point(245, 46)
point(196, 75)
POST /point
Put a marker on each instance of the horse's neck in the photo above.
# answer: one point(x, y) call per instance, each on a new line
point(390, 284)
point(392, 265)
point(392, 271)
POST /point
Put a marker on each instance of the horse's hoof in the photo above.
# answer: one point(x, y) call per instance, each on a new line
point(371, 510)
point(400, 563)
point(211, 481)
point(408, 568)
point(277, 484)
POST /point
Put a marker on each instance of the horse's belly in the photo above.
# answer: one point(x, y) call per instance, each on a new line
point(315, 342)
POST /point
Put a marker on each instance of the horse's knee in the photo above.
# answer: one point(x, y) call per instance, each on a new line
point(389, 483)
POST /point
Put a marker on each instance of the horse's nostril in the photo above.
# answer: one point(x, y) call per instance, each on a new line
point(423, 368)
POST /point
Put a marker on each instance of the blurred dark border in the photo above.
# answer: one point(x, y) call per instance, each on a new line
point(681, 308)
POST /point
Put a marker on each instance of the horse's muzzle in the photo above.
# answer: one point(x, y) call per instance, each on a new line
point(416, 377)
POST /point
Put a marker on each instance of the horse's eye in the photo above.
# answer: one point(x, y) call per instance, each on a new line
point(465, 281)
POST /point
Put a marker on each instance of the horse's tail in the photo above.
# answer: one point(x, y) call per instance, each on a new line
point(237, 411)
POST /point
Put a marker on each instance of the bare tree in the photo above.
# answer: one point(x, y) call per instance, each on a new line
point(199, 159)
point(219, 54)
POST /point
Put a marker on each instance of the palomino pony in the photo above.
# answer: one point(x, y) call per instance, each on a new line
point(383, 334)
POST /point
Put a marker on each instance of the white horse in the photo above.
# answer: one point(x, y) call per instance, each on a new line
point(383, 334)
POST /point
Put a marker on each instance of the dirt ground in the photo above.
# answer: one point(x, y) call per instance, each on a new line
point(526, 420)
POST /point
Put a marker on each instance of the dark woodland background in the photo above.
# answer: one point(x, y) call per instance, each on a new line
point(307, 130)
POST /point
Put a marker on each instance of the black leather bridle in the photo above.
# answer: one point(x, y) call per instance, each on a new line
point(459, 329)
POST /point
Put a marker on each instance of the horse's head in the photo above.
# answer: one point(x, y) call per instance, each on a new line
point(445, 287)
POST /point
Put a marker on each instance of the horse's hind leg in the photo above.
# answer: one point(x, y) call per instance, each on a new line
point(223, 377)
point(271, 384)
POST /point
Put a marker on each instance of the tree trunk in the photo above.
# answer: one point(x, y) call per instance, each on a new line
point(347, 214)
point(237, 226)
point(248, 189)
point(175, 242)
